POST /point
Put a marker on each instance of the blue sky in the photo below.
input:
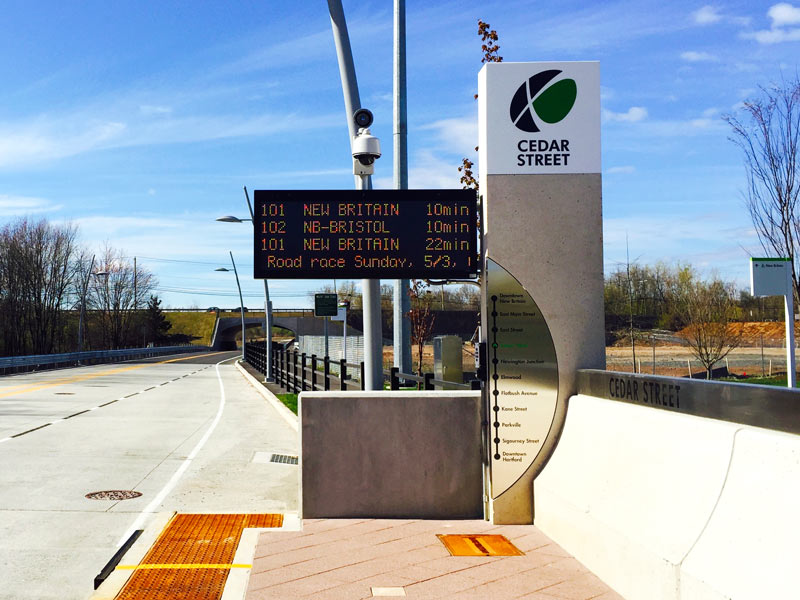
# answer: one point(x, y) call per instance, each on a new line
point(141, 121)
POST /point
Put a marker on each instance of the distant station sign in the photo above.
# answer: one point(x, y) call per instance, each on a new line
point(325, 305)
point(372, 234)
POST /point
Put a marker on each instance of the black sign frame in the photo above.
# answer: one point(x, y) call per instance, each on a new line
point(366, 234)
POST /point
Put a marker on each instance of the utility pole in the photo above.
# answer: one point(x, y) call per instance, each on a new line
point(370, 288)
point(402, 301)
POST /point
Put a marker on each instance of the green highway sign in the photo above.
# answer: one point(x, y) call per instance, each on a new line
point(325, 305)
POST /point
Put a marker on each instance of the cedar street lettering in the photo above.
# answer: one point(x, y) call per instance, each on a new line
point(543, 153)
point(646, 392)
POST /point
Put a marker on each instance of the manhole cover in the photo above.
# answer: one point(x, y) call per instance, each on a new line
point(113, 495)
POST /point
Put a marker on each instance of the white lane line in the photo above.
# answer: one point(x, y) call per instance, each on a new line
point(156, 502)
point(95, 408)
point(4, 440)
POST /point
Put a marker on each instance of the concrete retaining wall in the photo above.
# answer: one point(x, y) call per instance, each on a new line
point(666, 505)
point(391, 454)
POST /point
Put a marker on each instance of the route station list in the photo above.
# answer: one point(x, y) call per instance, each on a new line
point(365, 234)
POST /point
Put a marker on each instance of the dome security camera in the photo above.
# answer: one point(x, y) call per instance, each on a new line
point(366, 148)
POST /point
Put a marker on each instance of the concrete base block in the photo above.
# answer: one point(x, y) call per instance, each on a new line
point(391, 455)
point(668, 506)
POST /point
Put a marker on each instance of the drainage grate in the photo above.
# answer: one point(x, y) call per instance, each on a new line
point(65, 393)
point(284, 458)
point(113, 495)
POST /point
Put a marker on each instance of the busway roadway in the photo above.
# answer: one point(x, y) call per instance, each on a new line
point(187, 432)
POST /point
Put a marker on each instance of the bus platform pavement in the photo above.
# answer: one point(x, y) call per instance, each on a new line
point(357, 559)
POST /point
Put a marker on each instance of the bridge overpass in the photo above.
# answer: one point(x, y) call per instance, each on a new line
point(300, 322)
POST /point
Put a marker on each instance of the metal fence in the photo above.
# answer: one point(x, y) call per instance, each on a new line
point(18, 364)
point(297, 371)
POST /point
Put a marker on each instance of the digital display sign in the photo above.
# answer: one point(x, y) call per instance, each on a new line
point(365, 234)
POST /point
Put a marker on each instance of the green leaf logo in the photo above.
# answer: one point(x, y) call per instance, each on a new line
point(534, 98)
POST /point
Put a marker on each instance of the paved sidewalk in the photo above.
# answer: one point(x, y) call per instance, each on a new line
point(352, 559)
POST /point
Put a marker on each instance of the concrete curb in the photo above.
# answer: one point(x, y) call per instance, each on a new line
point(279, 406)
point(236, 583)
point(112, 586)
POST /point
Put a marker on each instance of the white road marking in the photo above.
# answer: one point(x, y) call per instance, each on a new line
point(156, 502)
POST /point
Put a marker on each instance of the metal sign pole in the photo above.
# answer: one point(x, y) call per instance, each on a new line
point(370, 288)
point(790, 363)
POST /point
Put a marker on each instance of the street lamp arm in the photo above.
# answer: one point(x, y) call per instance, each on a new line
point(232, 219)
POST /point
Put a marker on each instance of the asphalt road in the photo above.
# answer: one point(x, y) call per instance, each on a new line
point(188, 432)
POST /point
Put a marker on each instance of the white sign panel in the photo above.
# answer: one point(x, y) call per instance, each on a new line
point(770, 276)
point(539, 117)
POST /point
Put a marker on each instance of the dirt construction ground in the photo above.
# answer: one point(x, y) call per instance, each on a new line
point(671, 359)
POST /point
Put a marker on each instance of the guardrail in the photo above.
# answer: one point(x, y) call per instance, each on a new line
point(16, 364)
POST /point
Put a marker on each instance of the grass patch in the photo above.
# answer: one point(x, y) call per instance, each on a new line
point(198, 325)
point(776, 380)
point(290, 400)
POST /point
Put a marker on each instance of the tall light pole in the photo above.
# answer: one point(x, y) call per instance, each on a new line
point(370, 288)
point(402, 301)
point(241, 301)
point(268, 376)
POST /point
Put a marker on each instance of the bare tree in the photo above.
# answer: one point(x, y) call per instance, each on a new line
point(37, 266)
point(420, 315)
point(113, 296)
point(768, 136)
point(710, 309)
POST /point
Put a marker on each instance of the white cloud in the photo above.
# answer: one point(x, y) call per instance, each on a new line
point(690, 240)
point(150, 110)
point(456, 133)
point(692, 56)
point(783, 14)
point(633, 115)
point(48, 139)
point(626, 170)
point(427, 170)
point(774, 36)
point(24, 205)
point(53, 137)
point(706, 15)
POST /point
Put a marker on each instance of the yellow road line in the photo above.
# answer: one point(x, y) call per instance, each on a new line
point(183, 566)
point(79, 378)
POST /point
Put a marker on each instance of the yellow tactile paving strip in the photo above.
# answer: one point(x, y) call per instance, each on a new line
point(479, 545)
point(192, 557)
